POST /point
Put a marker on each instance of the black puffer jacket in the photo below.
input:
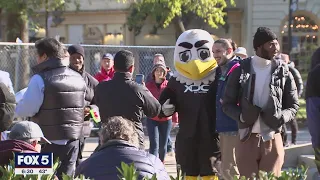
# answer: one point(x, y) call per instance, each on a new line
point(297, 78)
point(91, 83)
point(61, 113)
point(103, 164)
point(282, 104)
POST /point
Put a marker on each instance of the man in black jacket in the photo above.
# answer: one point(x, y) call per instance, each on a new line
point(77, 57)
point(261, 96)
point(55, 100)
point(121, 96)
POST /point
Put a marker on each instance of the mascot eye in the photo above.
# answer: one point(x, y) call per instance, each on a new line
point(203, 53)
point(185, 56)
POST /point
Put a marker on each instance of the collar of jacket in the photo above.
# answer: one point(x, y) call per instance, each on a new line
point(49, 64)
point(116, 142)
point(162, 85)
point(276, 66)
point(279, 69)
point(107, 73)
point(122, 75)
point(81, 71)
point(16, 146)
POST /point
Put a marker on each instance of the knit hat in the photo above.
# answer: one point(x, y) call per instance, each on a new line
point(123, 60)
point(160, 65)
point(76, 49)
point(262, 36)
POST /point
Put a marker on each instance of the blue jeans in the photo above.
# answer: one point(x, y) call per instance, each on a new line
point(159, 132)
point(169, 146)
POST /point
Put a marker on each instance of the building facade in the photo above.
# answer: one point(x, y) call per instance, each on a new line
point(103, 22)
point(274, 14)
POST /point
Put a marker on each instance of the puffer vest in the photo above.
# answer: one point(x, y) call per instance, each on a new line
point(61, 113)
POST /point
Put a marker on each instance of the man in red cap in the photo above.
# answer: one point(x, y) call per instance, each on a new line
point(107, 70)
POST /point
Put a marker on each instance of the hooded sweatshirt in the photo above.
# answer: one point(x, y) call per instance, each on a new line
point(8, 147)
point(103, 75)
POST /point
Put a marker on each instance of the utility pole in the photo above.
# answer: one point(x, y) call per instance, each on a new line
point(290, 28)
point(47, 17)
point(293, 6)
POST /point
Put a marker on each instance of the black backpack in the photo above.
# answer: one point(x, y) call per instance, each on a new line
point(7, 107)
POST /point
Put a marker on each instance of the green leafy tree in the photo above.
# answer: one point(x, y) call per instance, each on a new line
point(18, 13)
point(177, 12)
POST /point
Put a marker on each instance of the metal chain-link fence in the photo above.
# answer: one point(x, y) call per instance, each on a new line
point(18, 59)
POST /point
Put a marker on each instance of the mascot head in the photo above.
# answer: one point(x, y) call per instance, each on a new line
point(193, 57)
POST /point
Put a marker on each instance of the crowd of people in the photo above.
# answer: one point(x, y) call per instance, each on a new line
point(225, 102)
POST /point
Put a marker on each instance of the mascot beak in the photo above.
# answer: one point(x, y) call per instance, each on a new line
point(196, 69)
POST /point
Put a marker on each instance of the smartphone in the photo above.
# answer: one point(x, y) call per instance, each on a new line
point(140, 78)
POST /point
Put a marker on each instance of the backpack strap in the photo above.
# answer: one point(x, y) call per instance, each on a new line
point(233, 68)
point(286, 71)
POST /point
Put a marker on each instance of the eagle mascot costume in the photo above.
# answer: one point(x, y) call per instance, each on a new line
point(191, 92)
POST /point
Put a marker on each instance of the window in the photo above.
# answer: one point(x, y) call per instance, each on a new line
point(305, 37)
point(304, 31)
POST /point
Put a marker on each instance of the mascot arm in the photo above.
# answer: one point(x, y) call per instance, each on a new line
point(151, 106)
point(215, 156)
point(231, 98)
point(168, 94)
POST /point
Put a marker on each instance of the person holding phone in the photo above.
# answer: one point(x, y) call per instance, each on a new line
point(158, 128)
point(140, 79)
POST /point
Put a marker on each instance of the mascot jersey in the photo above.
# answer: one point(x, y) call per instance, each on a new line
point(192, 91)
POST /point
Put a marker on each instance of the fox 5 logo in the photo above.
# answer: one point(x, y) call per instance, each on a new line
point(33, 160)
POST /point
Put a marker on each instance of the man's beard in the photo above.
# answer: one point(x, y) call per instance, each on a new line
point(265, 54)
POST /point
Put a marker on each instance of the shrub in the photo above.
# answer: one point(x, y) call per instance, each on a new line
point(128, 172)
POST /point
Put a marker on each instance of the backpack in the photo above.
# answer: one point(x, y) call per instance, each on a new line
point(7, 107)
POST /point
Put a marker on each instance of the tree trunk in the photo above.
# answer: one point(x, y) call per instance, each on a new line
point(25, 53)
point(24, 29)
point(179, 26)
point(13, 27)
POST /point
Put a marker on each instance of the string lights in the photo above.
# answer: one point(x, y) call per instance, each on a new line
point(302, 24)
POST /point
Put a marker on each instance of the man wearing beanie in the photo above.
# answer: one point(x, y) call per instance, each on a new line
point(121, 96)
point(261, 95)
point(77, 57)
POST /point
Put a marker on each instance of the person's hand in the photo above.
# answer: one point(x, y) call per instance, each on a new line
point(86, 111)
point(216, 165)
point(250, 112)
point(174, 124)
point(167, 108)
